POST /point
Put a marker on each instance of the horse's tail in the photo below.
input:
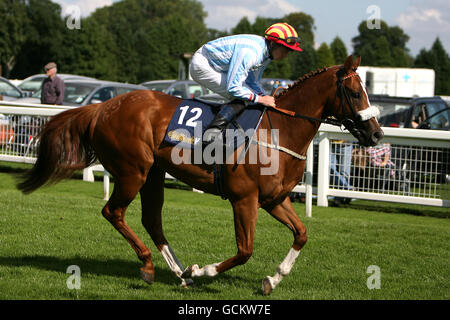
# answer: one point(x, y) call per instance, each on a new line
point(64, 147)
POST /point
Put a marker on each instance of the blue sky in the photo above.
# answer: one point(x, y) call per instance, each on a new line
point(422, 20)
point(341, 18)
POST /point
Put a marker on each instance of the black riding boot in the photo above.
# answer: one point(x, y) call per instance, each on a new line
point(222, 119)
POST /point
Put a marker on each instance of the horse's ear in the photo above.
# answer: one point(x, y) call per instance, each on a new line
point(348, 64)
point(351, 65)
point(356, 63)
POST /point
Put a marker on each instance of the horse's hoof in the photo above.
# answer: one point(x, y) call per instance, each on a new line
point(266, 286)
point(188, 272)
point(147, 276)
point(187, 283)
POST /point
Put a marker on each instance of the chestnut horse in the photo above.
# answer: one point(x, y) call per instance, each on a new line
point(126, 134)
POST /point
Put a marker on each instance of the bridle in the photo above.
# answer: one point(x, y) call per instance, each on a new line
point(345, 100)
point(347, 122)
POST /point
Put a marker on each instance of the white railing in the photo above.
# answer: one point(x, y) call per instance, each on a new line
point(19, 125)
point(420, 159)
point(418, 173)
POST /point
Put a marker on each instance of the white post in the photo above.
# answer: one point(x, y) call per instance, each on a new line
point(88, 174)
point(323, 182)
point(106, 185)
point(309, 179)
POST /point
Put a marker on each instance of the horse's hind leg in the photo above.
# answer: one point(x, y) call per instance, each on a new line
point(152, 198)
point(125, 190)
point(285, 213)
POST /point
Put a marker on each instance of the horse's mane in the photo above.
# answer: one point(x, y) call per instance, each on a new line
point(300, 80)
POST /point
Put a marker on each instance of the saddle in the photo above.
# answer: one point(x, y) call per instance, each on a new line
point(192, 117)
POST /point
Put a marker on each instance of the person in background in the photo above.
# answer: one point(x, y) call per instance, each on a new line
point(380, 159)
point(340, 165)
point(419, 115)
point(52, 87)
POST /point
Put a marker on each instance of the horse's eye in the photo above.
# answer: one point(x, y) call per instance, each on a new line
point(356, 95)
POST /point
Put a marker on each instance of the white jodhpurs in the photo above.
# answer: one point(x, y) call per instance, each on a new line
point(203, 73)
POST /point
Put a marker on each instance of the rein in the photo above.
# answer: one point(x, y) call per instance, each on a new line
point(342, 93)
point(347, 122)
point(297, 115)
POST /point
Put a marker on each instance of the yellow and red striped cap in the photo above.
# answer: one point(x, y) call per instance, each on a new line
point(284, 34)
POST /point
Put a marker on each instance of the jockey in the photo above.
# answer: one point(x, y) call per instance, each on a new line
point(232, 67)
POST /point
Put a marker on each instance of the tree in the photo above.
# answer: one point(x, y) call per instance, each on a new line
point(384, 46)
point(303, 23)
point(149, 36)
point(381, 53)
point(339, 50)
point(303, 62)
point(214, 34)
point(400, 53)
point(324, 56)
point(43, 38)
point(12, 33)
point(243, 27)
point(306, 61)
point(30, 35)
point(297, 64)
point(261, 24)
point(90, 51)
point(438, 59)
point(129, 41)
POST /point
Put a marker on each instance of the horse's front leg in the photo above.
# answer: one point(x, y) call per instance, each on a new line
point(245, 217)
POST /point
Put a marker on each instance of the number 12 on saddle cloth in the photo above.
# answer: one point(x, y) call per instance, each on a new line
point(192, 117)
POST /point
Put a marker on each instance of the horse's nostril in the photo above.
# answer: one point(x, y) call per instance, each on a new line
point(377, 136)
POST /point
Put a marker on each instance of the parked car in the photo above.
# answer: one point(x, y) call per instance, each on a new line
point(188, 89)
point(158, 85)
point(83, 92)
point(89, 92)
point(8, 91)
point(446, 99)
point(185, 89)
point(34, 82)
point(424, 113)
point(268, 85)
point(77, 93)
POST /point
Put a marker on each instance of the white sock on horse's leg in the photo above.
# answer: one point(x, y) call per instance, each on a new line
point(284, 268)
point(174, 264)
point(209, 270)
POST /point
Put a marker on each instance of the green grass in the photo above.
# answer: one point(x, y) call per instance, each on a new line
point(58, 226)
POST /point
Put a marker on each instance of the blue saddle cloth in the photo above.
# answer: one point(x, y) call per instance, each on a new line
point(192, 117)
